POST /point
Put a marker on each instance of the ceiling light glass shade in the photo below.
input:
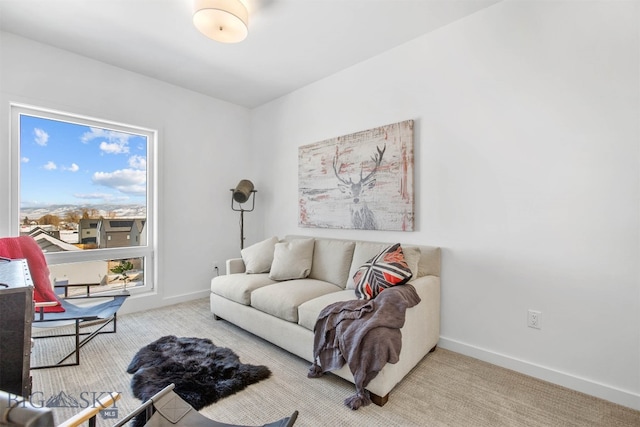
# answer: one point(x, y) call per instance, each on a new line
point(221, 20)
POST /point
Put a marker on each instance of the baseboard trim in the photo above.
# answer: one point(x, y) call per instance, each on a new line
point(592, 388)
point(152, 300)
point(187, 297)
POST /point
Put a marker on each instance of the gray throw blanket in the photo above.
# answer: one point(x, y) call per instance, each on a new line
point(364, 334)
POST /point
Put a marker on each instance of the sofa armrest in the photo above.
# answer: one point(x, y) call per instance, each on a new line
point(426, 315)
point(235, 265)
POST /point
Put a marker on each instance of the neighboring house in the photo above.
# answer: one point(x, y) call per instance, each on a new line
point(36, 230)
point(49, 243)
point(120, 232)
point(139, 232)
point(88, 231)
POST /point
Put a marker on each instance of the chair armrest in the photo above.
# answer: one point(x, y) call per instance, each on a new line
point(115, 293)
point(91, 411)
point(45, 304)
point(40, 306)
point(145, 405)
point(64, 285)
point(235, 265)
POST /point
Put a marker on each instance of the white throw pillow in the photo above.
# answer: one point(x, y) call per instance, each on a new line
point(259, 256)
point(412, 256)
point(331, 261)
point(292, 260)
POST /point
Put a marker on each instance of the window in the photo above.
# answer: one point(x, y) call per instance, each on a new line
point(82, 188)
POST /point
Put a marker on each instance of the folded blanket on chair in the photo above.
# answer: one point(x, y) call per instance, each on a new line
point(364, 334)
point(24, 247)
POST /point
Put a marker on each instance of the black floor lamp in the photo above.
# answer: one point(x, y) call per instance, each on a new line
point(241, 194)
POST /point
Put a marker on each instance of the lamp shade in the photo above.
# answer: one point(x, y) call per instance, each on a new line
point(243, 191)
point(221, 20)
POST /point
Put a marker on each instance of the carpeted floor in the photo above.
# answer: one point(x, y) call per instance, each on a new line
point(445, 389)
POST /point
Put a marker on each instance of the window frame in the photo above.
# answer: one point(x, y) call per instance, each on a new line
point(148, 252)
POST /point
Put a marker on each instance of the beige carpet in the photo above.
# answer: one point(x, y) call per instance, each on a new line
point(445, 389)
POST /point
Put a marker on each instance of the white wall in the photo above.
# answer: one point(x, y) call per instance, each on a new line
point(527, 175)
point(200, 141)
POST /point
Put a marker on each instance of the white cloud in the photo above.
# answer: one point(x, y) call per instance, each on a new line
point(24, 160)
point(113, 142)
point(72, 168)
point(138, 162)
point(50, 166)
point(114, 147)
point(110, 135)
point(128, 181)
point(41, 137)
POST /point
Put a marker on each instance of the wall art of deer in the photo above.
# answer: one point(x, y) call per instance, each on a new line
point(361, 216)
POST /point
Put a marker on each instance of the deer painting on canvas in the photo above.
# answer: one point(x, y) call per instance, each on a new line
point(360, 181)
point(361, 216)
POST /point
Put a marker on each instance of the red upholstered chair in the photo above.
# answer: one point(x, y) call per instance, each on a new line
point(52, 311)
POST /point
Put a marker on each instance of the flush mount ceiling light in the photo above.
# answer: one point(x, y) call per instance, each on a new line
point(225, 21)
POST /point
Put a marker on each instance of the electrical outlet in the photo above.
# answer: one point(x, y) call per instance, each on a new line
point(534, 319)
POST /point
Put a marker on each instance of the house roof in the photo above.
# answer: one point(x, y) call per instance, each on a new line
point(49, 243)
point(120, 224)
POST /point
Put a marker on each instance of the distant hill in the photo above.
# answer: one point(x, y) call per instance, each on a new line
point(121, 211)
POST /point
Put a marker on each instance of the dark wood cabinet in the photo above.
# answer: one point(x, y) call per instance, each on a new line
point(16, 317)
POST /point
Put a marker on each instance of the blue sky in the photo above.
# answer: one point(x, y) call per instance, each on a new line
point(67, 163)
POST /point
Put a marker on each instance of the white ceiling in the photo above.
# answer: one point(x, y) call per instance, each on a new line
point(291, 43)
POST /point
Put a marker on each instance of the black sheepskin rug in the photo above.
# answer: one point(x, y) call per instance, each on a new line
point(202, 372)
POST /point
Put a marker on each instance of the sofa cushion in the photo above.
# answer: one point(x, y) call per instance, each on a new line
point(363, 252)
point(292, 260)
point(238, 287)
point(331, 261)
point(259, 256)
point(282, 299)
point(386, 269)
point(412, 256)
point(429, 261)
point(309, 311)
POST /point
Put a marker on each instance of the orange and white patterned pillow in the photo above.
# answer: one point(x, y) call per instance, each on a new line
point(386, 269)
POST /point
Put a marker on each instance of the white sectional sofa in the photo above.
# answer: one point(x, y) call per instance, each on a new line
point(284, 312)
